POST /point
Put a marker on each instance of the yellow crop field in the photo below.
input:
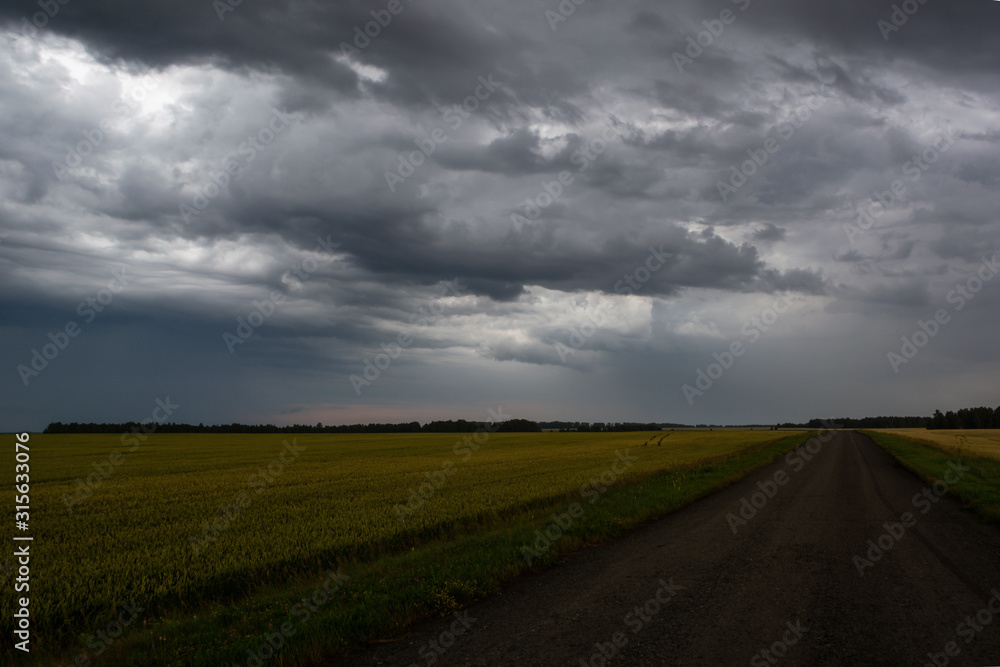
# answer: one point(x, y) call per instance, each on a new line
point(178, 520)
point(971, 442)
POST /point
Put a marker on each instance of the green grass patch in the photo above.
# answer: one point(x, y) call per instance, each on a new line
point(979, 488)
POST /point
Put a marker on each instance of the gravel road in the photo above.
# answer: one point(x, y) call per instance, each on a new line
point(798, 583)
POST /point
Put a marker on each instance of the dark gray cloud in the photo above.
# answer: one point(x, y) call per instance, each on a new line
point(570, 175)
point(769, 232)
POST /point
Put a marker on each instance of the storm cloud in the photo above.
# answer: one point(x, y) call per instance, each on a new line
point(566, 209)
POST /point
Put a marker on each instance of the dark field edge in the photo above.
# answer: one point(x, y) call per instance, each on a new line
point(979, 488)
point(434, 573)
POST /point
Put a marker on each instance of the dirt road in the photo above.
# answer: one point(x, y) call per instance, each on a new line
point(798, 583)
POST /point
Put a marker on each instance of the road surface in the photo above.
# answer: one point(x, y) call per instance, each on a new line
point(796, 583)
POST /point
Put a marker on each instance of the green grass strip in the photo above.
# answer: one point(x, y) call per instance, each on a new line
point(979, 489)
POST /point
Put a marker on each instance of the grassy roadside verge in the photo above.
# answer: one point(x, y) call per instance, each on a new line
point(979, 489)
point(314, 615)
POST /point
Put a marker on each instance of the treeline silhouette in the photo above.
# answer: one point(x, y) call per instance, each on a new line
point(966, 418)
point(871, 422)
point(982, 417)
point(602, 427)
point(450, 426)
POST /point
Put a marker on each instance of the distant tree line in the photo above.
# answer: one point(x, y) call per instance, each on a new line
point(602, 427)
point(966, 418)
point(871, 422)
point(450, 426)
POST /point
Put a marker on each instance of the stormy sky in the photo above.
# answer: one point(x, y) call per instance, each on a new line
point(723, 212)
